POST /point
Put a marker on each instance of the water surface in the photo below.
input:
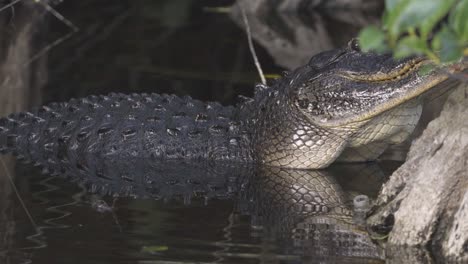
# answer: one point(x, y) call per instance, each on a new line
point(194, 214)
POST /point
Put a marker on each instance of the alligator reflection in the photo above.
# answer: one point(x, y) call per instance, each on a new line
point(308, 210)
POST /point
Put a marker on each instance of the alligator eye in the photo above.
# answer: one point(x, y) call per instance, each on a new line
point(325, 58)
point(353, 44)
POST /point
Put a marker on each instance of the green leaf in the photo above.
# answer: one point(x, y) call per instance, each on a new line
point(395, 9)
point(372, 38)
point(384, 20)
point(446, 43)
point(426, 69)
point(391, 4)
point(439, 10)
point(458, 20)
point(410, 45)
point(422, 14)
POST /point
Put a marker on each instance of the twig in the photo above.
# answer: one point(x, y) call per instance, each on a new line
point(58, 41)
point(8, 5)
point(13, 186)
point(251, 46)
point(58, 15)
point(47, 49)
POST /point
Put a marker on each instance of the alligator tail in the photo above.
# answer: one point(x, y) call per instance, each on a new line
point(80, 132)
point(22, 134)
point(11, 130)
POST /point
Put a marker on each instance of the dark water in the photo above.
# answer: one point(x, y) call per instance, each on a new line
point(203, 214)
point(227, 216)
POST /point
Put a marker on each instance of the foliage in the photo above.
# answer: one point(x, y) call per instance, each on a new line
point(435, 28)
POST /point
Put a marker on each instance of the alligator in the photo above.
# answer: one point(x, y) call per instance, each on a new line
point(344, 105)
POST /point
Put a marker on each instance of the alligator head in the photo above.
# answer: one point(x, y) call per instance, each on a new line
point(342, 99)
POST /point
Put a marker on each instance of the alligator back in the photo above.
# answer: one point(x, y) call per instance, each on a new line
point(162, 127)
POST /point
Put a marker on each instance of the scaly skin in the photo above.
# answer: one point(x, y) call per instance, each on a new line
point(162, 127)
point(344, 104)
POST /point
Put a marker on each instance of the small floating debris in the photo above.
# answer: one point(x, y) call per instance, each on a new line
point(154, 249)
point(361, 205)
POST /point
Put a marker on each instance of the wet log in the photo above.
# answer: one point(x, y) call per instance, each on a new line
point(427, 197)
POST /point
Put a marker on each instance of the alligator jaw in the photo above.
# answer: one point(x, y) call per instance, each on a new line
point(414, 88)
